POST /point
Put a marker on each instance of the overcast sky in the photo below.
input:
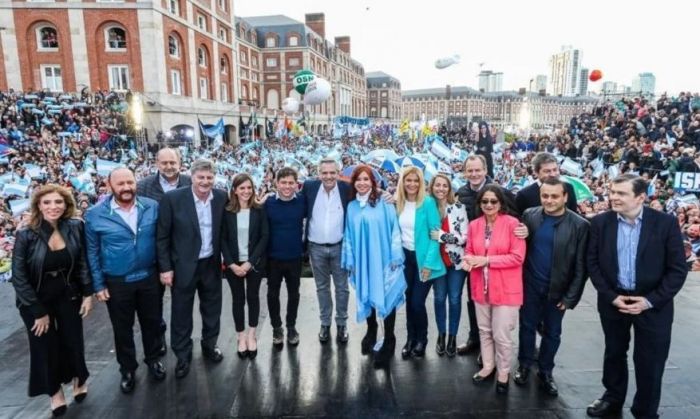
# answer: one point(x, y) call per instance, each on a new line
point(404, 38)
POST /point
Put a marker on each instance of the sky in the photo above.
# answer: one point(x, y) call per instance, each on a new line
point(622, 38)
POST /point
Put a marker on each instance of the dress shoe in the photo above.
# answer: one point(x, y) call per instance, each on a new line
point(368, 341)
point(521, 375)
point(342, 334)
point(468, 347)
point(325, 334)
point(278, 336)
point(601, 408)
point(292, 336)
point(478, 379)
point(252, 354)
point(128, 382)
point(213, 354)
point(59, 411)
point(406, 350)
point(182, 368)
point(79, 397)
point(479, 361)
point(163, 350)
point(440, 344)
point(243, 354)
point(418, 350)
point(157, 370)
point(548, 385)
point(502, 388)
point(451, 349)
point(383, 356)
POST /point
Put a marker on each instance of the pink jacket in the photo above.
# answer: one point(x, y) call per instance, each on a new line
point(506, 257)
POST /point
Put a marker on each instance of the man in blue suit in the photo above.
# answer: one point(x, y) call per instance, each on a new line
point(326, 202)
point(637, 264)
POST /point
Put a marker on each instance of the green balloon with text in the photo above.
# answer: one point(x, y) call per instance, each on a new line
point(301, 79)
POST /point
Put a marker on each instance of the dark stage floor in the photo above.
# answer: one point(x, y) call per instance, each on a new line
point(312, 380)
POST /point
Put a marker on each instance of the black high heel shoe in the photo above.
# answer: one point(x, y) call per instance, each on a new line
point(479, 379)
point(59, 411)
point(244, 354)
point(502, 388)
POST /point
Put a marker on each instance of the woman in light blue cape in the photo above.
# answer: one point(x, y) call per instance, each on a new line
point(373, 256)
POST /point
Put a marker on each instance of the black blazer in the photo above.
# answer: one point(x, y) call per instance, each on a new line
point(529, 197)
point(661, 269)
point(150, 186)
point(258, 235)
point(178, 239)
point(28, 262)
point(310, 192)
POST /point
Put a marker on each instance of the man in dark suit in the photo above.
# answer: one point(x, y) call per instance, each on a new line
point(546, 167)
point(637, 264)
point(189, 260)
point(155, 186)
point(326, 202)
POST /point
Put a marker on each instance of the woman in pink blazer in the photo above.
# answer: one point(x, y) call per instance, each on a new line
point(495, 258)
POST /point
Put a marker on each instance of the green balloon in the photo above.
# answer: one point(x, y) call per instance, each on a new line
point(301, 79)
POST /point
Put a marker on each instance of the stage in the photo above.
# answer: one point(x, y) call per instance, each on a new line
point(332, 380)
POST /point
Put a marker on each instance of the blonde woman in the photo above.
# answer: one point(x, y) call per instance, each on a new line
point(418, 216)
point(452, 236)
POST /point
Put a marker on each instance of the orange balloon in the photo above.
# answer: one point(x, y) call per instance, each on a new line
point(595, 75)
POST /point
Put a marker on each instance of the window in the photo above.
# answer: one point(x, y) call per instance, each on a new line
point(173, 46)
point(51, 78)
point(244, 92)
point(224, 92)
point(224, 65)
point(254, 61)
point(174, 7)
point(270, 42)
point(254, 76)
point(202, 22)
point(223, 35)
point(271, 62)
point(118, 77)
point(273, 99)
point(203, 88)
point(243, 57)
point(293, 62)
point(47, 38)
point(222, 5)
point(176, 82)
point(115, 39)
point(202, 57)
point(255, 93)
point(293, 41)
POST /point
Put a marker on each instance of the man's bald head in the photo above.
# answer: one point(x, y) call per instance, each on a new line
point(168, 161)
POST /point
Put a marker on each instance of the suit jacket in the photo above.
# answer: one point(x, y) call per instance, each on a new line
point(529, 197)
point(660, 265)
point(150, 186)
point(178, 238)
point(258, 234)
point(310, 192)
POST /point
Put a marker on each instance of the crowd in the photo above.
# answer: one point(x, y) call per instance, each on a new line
point(502, 220)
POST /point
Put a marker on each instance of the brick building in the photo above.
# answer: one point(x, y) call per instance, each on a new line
point(384, 97)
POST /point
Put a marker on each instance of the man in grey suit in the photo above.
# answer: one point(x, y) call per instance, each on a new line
point(189, 260)
point(167, 178)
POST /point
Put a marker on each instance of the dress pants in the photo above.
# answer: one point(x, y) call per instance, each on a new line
point(652, 342)
point(416, 294)
point(57, 356)
point(127, 300)
point(244, 289)
point(496, 324)
point(290, 272)
point(325, 262)
point(207, 284)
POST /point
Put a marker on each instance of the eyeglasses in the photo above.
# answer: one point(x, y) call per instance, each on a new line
point(490, 201)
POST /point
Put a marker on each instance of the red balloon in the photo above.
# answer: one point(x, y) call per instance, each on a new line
point(595, 75)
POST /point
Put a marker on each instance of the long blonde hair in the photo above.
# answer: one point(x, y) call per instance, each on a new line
point(450, 195)
point(401, 192)
point(35, 217)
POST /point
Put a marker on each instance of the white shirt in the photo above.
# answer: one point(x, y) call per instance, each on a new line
point(407, 222)
point(130, 216)
point(205, 225)
point(326, 224)
point(243, 227)
point(167, 186)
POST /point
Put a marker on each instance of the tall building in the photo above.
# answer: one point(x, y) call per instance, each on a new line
point(540, 83)
point(490, 81)
point(583, 82)
point(384, 94)
point(565, 72)
point(608, 87)
point(644, 84)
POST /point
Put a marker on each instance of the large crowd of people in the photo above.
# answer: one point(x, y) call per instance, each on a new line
point(502, 220)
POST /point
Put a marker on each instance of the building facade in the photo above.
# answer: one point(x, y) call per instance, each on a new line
point(490, 81)
point(565, 72)
point(462, 105)
point(384, 97)
point(583, 82)
point(540, 83)
point(644, 84)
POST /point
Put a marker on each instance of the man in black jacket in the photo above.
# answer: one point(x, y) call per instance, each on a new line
point(546, 167)
point(554, 277)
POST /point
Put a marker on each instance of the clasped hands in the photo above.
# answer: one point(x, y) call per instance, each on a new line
point(240, 270)
point(471, 261)
point(630, 304)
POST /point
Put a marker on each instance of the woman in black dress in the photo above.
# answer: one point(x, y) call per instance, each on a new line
point(54, 293)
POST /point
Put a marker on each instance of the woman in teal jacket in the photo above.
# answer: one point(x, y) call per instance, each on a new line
point(418, 216)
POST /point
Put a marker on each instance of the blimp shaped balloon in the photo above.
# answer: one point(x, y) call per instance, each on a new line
point(317, 91)
point(595, 75)
point(446, 62)
point(290, 105)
